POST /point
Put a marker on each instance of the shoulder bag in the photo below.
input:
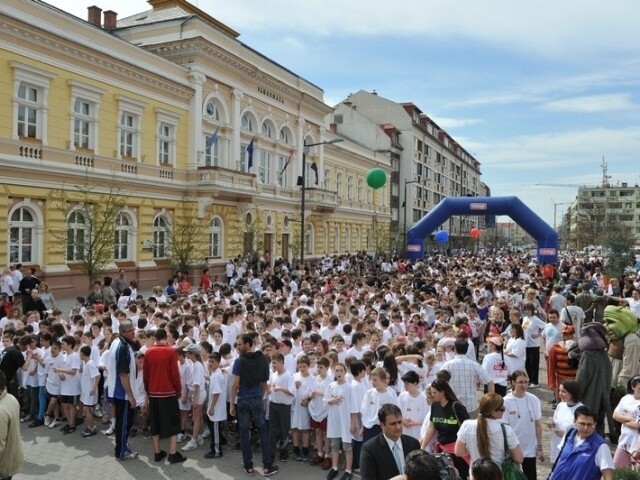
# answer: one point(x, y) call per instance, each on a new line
point(510, 471)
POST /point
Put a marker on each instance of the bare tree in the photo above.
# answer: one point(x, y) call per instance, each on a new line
point(188, 245)
point(89, 211)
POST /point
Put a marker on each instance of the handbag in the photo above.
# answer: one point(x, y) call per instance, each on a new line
point(510, 471)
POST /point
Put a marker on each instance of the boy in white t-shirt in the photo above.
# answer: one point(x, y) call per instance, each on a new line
point(217, 408)
point(89, 378)
point(54, 360)
point(70, 382)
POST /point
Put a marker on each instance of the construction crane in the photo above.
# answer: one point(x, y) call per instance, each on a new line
point(605, 180)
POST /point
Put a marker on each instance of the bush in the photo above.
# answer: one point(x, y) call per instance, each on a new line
point(626, 474)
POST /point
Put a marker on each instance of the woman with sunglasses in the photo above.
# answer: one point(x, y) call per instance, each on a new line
point(483, 438)
point(523, 412)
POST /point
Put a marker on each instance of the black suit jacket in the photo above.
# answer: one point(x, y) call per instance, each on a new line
point(376, 458)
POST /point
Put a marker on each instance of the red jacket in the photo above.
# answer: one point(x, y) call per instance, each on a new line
point(160, 374)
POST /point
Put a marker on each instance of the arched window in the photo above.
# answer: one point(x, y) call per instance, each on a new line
point(160, 237)
point(78, 236)
point(212, 111)
point(23, 236)
point(285, 136)
point(247, 122)
point(215, 238)
point(267, 130)
point(123, 238)
point(308, 239)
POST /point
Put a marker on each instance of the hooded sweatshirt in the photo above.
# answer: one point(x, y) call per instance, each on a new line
point(253, 370)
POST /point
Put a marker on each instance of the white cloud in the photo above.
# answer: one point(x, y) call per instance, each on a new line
point(571, 29)
point(446, 122)
point(592, 103)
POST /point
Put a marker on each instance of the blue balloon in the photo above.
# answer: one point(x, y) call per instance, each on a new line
point(442, 236)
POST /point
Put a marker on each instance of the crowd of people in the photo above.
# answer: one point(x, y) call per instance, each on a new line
point(346, 362)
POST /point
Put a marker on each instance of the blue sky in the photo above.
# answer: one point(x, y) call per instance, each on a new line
point(539, 91)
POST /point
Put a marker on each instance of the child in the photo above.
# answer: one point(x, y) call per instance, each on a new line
point(53, 383)
point(338, 399)
point(413, 405)
point(217, 409)
point(197, 394)
point(358, 390)
point(88, 389)
point(378, 395)
point(142, 400)
point(70, 382)
point(184, 404)
point(281, 396)
point(304, 384)
point(318, 411)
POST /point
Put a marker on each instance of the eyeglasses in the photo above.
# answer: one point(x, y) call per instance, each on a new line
point(585, 425)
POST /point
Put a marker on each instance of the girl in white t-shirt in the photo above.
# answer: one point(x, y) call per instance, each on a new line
point(338, 399)
point(628, 413)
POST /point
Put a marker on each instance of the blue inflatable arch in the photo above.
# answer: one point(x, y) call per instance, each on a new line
point(546, 236)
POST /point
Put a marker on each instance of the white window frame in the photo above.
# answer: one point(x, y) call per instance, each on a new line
point(347, 239)
point(167, 133)
point(161, 243)
point(326, 181)
point(77, 235)
point(360, 189)
point(129, 231)
point(40, 80)
point(211, 152)
point(36, 226)
point(350, 187)
point(85, 93)
point(283, 177)
point(216, 236)
point(339, 184)
point(336, 239)
point(135, 109)
point(264, 166)
point(308, 239)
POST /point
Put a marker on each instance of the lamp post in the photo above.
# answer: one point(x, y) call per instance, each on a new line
point(405, 212)
point(302, 181)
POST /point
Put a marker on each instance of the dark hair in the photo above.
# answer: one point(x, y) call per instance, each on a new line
point(519, 330)
point(86, 350)
point(247, 339)
point(68, 339)
point(215, 356)
point(357, 367)
point(585, 412)
point(518, 373)
point(411, 377)
point(443, 386)
point(420, 464)
point(391, 366)
point(388, 409)
point(486, 469)
point(573, 388)
point(160, 334)
point(444, 375)
point(461, 346)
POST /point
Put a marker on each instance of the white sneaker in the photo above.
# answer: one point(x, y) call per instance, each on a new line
point(54, 423)
point(47, 420)
point(206, 433)
point(181, 437)
point(200, 441)
point(110, 430)
point(190, 445)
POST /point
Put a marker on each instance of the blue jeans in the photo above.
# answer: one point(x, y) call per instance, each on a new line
point(42, 402)
point(252, 409)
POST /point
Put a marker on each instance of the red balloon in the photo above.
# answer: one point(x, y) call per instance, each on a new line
point(475, 233)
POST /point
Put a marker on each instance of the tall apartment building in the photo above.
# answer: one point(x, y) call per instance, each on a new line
point(427, 163)
point(168, 107)
point(586, 221)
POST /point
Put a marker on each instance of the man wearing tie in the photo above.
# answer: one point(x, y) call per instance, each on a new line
point(384, 455)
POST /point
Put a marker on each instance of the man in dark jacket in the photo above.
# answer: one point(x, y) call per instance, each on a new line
point(383, 456)
point(249, 384)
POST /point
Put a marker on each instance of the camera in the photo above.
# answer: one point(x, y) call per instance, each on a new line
point(447, 470)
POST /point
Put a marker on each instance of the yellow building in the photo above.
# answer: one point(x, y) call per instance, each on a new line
point(166, 110)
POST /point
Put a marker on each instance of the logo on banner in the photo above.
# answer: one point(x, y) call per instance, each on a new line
point(477, 206)
point(547, 252)
point(412, 247)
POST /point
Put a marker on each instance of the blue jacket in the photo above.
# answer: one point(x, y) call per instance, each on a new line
point(578, 462)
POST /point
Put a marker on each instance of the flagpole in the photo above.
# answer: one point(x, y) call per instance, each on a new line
point(302, 180)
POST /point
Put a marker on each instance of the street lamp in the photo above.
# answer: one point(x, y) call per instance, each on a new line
point(405, 211)
point(302, 181)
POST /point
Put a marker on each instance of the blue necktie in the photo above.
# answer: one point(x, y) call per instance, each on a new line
point(397, 455)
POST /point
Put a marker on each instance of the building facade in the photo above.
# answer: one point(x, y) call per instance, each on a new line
point(427, 163)
point(189, 128)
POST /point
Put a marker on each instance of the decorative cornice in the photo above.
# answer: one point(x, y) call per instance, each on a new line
point(176, 51)
point(29, 39)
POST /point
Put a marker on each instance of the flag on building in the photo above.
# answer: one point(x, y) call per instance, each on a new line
point(314, 167)
point(286, 164)
point(250, 155)
point(212, 139)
